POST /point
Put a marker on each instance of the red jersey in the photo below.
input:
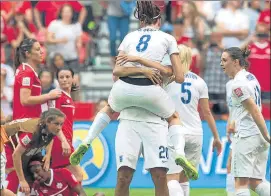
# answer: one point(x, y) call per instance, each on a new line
point(259, 60)
point(265, 17)
point(26, 77)
point(65, 104)
point(61, 184)
point(51, 8)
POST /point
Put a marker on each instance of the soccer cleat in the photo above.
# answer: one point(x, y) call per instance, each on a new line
point(78, 154)
point(189, 170)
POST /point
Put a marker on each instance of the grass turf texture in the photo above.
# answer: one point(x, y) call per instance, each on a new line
point(150, 192)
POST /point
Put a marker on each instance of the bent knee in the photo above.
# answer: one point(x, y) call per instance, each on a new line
point(125, 175)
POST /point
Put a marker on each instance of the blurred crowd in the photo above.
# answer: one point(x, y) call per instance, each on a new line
point(66, 30)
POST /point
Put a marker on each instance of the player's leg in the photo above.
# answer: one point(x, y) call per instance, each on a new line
point(230, 178)
point(2, 180)
point(128, 149)
point(243, 158)
point(173, 174)
point(154, 139)
point(257, 184)
point(76, 170)
point(193, 150)
point(101, 120)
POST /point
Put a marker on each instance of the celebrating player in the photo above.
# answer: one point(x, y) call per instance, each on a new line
point(186, 97)
point(54, 181)
point(139, 91)
point(251, 138)
point(38, 133)
point(64, 103)
point(27, 95)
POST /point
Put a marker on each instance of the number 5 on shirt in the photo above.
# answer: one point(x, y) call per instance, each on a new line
point(185, 89)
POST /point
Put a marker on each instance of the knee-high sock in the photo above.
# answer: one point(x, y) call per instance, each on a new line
point(177, 139)
point(175, 188)
point(242, 192)
point(186, 188)
point(263, 189)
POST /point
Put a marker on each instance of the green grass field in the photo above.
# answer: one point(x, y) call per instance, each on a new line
point(150, 192)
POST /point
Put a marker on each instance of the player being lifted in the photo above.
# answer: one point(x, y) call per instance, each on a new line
point(138, 91)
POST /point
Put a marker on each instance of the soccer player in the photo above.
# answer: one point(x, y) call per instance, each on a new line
point(64, 103)
point(28, 100)
point(251, 139)
point(3, 140)
point(35, 135)
point(139, 91)
point(54, 181)
point(186, 97)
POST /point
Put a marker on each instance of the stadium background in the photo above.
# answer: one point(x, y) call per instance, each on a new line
point(95, 71)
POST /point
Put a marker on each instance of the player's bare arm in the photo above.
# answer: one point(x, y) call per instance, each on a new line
point(165, 70)
point(204, 105)
point(79, 190)
point(17, 161)
point(47, 157)
point(257, 116)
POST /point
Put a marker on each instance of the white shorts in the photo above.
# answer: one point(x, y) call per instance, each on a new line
point(2, 169)
point(249, 157)
point(152, 98)
point(134, 138)
point(192, 149)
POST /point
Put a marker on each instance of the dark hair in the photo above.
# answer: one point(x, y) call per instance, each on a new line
point(53, 66)
point(46, 70)
point(73, 19)
point(66, 68)
point(38, 158)
point(25, 46)
point(147, 12)
point(239, 54)
point(50, 115)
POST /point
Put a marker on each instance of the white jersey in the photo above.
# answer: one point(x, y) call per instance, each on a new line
point(149, 43)
point(244, 86)
point(228, 97)
point(186, 97)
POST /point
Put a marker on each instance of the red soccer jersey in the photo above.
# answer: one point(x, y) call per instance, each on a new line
point(51, 8)
point(66, 105)
point(265, 17)
point(61, 184)
point(259, 60)
point(26, 77)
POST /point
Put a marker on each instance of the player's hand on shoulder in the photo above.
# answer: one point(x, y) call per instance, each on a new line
point(46, 162)
point(55, 93)
point(154, 75)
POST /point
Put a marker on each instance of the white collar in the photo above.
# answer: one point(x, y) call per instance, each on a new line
point(25, 64)
point(239, 73)
point(51, 180)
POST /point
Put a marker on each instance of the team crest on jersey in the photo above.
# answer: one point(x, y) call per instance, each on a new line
point(26, 81)
point(267, 51)
point(238, 92)
point(59, 185)
point(26, 140)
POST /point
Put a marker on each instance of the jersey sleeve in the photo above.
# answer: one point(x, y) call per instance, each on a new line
point(69, 177)
point(25, 139)
point(123, 44)
point(240, 92)
point(26, 125)
point(172, 45)
point(27, 79)
point(203, 91)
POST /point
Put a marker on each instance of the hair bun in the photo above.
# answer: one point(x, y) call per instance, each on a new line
point(245, 52)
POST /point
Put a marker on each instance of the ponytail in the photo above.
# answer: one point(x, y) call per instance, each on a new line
point(17, 58)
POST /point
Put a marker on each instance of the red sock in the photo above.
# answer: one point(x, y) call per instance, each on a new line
point(13, 182)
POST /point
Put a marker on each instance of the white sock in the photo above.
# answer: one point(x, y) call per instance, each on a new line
point(100, 122)
point(177, 139)
point(263, 189)
point(242, 192)
point(186, 188)
point(230, 184)
point(174, 188)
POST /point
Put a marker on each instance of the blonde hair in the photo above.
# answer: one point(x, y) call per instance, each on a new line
point(185, 54)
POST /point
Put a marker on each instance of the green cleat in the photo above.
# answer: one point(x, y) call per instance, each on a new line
point(189, 170)
point(78, 154)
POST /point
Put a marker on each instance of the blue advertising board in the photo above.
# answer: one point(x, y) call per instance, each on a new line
point(99, 163)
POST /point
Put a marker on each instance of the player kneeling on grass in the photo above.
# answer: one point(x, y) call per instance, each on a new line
point(54, 181)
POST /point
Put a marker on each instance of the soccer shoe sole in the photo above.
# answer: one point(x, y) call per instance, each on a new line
point(189, 170)
point(78, 154)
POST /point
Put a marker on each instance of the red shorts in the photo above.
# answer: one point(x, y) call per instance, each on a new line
point(9, 151)
point(58, 159)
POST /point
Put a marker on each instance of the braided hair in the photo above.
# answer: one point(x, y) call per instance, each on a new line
point(147, 12)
